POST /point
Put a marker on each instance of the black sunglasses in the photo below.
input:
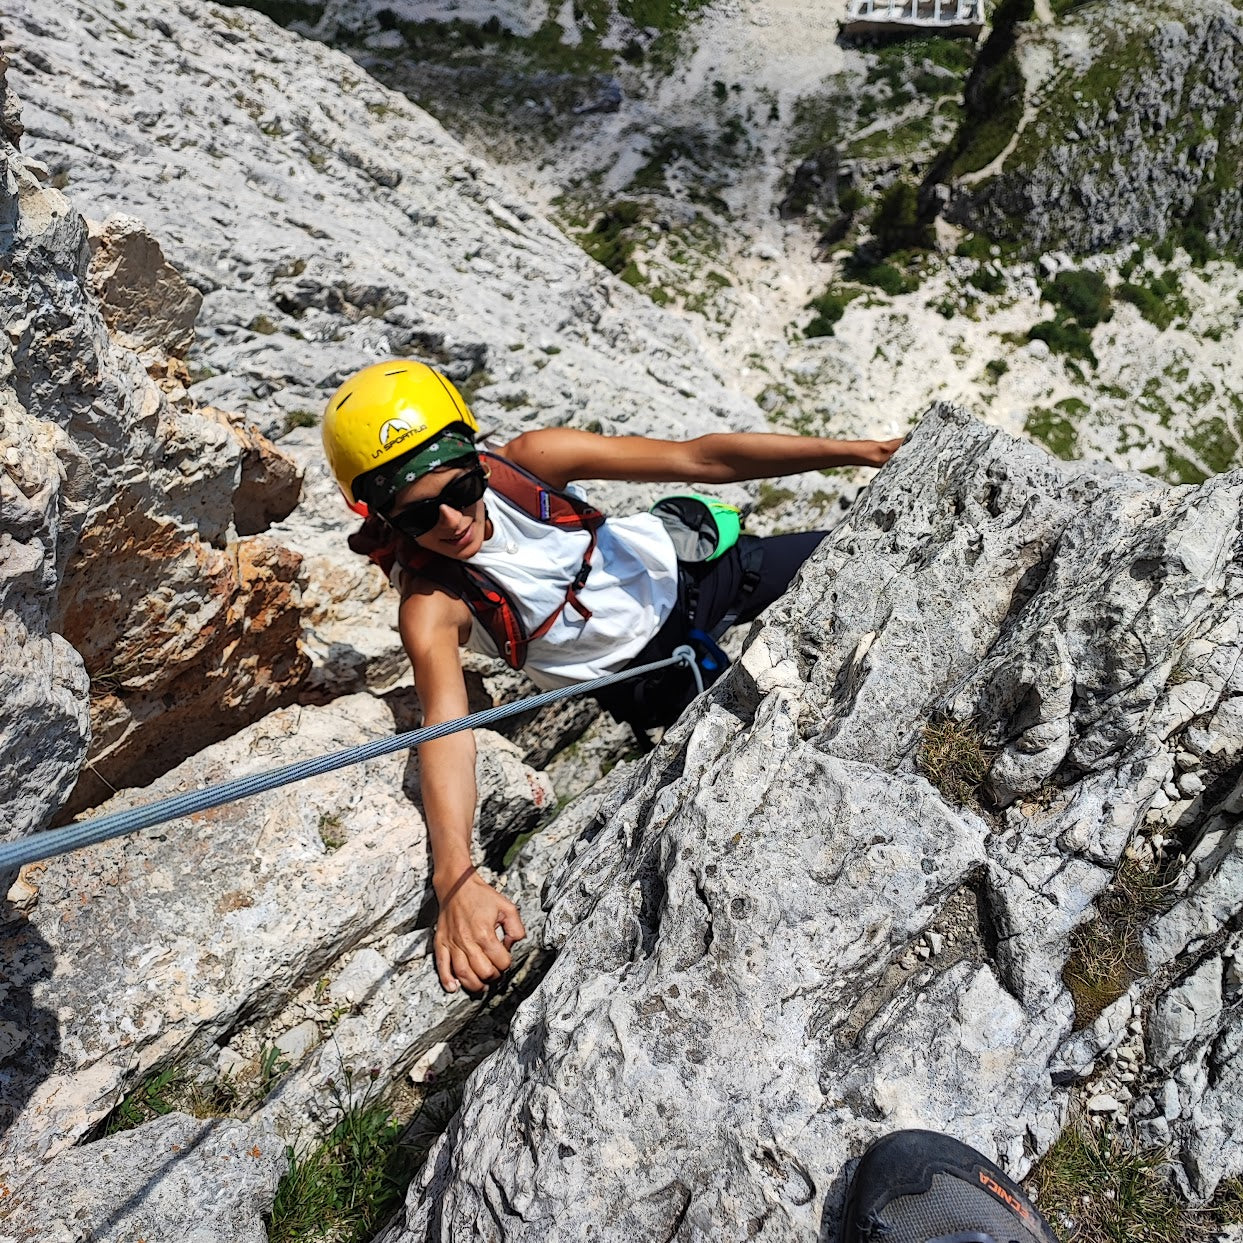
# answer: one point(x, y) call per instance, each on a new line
point(460, 493)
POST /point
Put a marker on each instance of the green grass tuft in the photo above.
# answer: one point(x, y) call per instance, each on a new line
point(1106, 952)
point(282, 12)
point(301, 418)
point(346, 1186)
point(952, 755)
point(175, 1089)
point(1098, 1186)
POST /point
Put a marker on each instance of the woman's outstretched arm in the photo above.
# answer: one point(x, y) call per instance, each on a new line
point(562, 454)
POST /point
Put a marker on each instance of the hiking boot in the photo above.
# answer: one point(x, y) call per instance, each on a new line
point(924, 1187)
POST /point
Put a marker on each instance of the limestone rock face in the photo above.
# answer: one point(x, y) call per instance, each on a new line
point(1105, 156)
point(270, 483)
point(369, 232)
point(178, 1177)
point(153, 949)
point(147, 305)
point(777, 939)
point(119, 527)
point(44, 727)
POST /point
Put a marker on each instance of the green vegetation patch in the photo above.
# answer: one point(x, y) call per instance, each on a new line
point(773, 496)
point(706, 155)
point(1082, 294)
point(301, 418)
point(952, 755)
point(178, 1089)
point(992, 118)
point(1064, 338)
point(829, 308)
point(826, 118)
point(611, 240)
point(1054, 428)
point(896, 224)
point(1178, 469)
point(1149, 304)
point(993, 98)
point(1098, 1185)
point(988, 278)
point(346, 1186)
point(884, 276)
point(904, 138)
point(929, 67)
point(1082, 300)
point(1216, 444)
point(662, 15)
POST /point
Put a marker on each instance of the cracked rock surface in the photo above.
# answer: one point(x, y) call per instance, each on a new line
point(369, 231)
point(777, 939)
point(217, 920)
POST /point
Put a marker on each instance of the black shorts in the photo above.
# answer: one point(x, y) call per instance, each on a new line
point(707, 591)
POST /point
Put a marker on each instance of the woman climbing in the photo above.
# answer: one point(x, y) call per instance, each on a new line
point(493, 553)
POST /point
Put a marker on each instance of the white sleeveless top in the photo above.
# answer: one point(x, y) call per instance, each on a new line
point(630, 591)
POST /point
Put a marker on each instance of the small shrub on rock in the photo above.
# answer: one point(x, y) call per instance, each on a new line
point(829, 306)
point(896, 224)
point(1064, 337)
point(988, 279)
point(887, 278)
point(300, 418)
point(1083, 295)
point(1100, 1185)
point(1160, 301)
point(952, 755)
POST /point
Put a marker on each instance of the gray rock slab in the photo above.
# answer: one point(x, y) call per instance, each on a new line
point(738, 1004)
point(398, 1013)
point(173, 1178)
point(151, 949)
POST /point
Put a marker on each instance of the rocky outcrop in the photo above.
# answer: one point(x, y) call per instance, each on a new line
point(119, 511)
point(778, 939)
point(147, 305)
point(306, 905)
point(43, 721)
point(183, 1178)
point(269, 484)
point(1133, 131)
point(369, 232)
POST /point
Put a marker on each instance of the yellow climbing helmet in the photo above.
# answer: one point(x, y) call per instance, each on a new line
point(381, 418)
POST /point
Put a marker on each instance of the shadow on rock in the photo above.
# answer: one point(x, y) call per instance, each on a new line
point(29, 1034)
point(832, 1210)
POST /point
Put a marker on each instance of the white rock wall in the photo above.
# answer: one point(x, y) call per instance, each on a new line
point(329, 222)
point(777, 940)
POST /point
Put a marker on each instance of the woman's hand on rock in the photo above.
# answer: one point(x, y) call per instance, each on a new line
point(878, 452)
point(474, 934)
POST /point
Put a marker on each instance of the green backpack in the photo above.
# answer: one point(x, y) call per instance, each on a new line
point(701, 528)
